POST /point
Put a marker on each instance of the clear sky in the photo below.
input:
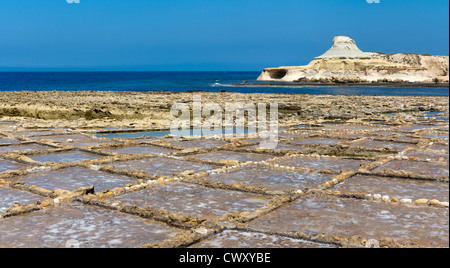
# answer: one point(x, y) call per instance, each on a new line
point(209, 35)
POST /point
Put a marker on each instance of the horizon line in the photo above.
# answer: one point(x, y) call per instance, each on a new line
point(134, 71)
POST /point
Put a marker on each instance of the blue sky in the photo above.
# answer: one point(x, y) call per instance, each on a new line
point(208, 35)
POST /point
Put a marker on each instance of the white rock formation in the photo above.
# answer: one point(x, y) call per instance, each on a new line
point(345, 62)
point(344, 47)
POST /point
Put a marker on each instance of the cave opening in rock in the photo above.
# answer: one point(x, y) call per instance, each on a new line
point(277, 74)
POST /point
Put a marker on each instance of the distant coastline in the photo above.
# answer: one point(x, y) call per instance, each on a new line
point(344, 63)
point(305, 84)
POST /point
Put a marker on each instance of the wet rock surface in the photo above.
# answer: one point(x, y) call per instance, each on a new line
point(23, 147)
point(194, 200)
point(74, 178)
point(6, 165)
point(234, 239)
point(141, 150)
point(199, 143)
point(272, 179)
point(5, 140)
point(81, 226)
point(64, 157)
point(227, 155)
point(420, 168)
point(346, 217)
point(9, 197)
point(162, 166)
point(396, 187)
point(348, 171)
point(334, 164)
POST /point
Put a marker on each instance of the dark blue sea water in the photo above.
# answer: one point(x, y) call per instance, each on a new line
point(180, 82)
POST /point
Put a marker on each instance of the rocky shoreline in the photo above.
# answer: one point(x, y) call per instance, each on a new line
point(380, 161)
point(348, 83)
point(151, 110)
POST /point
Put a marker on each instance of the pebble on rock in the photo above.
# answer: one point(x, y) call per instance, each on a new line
point(434, 202)
point(406, 201)
point(421, 202)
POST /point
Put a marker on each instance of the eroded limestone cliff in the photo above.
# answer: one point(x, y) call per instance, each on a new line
point(344, 62)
